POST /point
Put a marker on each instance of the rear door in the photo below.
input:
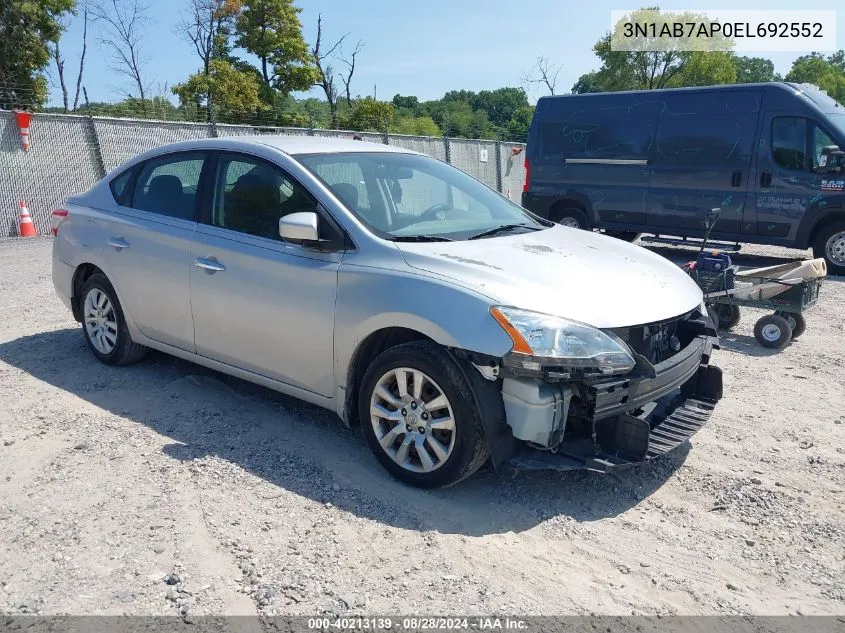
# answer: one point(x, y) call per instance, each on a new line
point(702, 160)
point(148, 246)
point(259, 303)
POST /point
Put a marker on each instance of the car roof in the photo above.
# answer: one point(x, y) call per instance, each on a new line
point(289, 144)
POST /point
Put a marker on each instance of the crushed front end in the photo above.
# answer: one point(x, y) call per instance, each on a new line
point(578, 417)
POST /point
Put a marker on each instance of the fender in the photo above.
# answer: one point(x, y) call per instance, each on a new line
point(821, 211)
point(371, 299)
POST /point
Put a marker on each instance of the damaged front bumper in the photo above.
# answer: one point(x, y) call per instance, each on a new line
point(608, 423)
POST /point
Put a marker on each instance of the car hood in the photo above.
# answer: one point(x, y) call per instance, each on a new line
point(575, 274)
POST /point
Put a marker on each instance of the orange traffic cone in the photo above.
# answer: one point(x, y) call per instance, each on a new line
point(27, 228)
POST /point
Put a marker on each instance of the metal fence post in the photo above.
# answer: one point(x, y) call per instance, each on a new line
point(385, 137)
point(499, 186)
point(448, 150)
point(93, 138)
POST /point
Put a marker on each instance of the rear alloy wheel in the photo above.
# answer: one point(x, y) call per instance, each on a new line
point(104, 325)
point(773, 331)
point(572, 217)
point(830, 244)
point(418, 415)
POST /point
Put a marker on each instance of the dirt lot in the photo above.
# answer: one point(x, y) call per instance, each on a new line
point(163, 488)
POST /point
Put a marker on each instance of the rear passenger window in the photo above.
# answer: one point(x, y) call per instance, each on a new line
point(789, 142)
point(169, 185)
point(120, 187)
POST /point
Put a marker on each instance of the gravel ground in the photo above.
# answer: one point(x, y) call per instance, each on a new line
point(165, 488)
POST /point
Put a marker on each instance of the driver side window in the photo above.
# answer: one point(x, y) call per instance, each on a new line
point(251, 195)
point(821, 139)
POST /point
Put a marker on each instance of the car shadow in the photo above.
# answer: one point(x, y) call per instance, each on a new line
point(306, 450)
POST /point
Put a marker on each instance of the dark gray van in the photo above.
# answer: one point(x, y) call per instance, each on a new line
point(656, 161)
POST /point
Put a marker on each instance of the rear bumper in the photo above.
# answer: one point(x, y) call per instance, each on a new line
point(627, 421)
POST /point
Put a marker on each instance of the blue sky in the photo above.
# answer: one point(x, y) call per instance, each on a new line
point(421, 48)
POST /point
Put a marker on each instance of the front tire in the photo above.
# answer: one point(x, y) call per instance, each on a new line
point(104, 325)
point(796, 321)
point(419, 416)
point(830, 245)
point(773, 331)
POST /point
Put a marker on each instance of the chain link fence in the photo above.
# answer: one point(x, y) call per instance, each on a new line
point(69, 153)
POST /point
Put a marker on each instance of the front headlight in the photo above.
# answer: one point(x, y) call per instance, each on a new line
point(562, 342)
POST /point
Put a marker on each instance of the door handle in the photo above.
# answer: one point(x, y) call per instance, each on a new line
point(766, 179)
point(736, 178)
point(117, 242)
point(209, 264)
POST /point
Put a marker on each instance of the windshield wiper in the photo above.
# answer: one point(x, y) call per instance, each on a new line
point(502, 229)
point(420, 238)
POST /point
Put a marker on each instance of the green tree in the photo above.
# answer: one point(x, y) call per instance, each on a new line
point(26, 30)
point(826, 73)
point(656, 62)
point(517, 128)
point(500, 105)
point(271, 30)
point(705, 69)
point(368, 114)
point(418, 126)
point(751, 70)
point(235, 93)
point(409, 103)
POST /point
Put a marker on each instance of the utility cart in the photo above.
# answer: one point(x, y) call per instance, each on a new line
point(786, 289)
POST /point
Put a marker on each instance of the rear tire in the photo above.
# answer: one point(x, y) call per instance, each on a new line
point(572, 217)
point(829, 244)
point(773, 331)
point(426, 431)
point(104, 325)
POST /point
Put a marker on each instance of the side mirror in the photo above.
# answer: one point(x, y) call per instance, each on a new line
point(831, 160)
point(299, 227)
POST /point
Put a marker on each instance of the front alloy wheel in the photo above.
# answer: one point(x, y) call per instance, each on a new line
point(419, 414)
point(413, 420)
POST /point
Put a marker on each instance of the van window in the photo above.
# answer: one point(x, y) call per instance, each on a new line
point(624, 131)
point(789, 142)
point(699, 140)
point(821, 139)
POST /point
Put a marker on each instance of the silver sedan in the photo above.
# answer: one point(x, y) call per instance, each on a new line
point(449, 323)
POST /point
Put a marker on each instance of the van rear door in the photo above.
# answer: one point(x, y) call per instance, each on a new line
point(702, 159)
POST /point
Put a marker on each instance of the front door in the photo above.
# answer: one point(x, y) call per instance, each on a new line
point(701, 161)
point(788, 184)
point(259, 303)
point(147, 247)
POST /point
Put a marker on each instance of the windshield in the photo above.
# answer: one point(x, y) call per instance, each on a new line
point(407, 196)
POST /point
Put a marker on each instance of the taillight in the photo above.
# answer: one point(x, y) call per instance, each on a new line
point(59, 216)
point(527, 174)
